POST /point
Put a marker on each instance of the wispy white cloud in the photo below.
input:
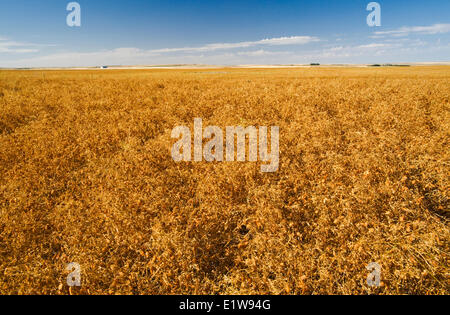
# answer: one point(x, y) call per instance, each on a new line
point(11, 47)
point(372, 49)
point(139, 56)
point(7, 46)
point(279, 41)
point(114, 56)
point(262, 52)
point(266, 51)
point(425, 30)
point(6, 49)
point(374, 45)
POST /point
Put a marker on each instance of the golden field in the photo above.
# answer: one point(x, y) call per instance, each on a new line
point(86, 176)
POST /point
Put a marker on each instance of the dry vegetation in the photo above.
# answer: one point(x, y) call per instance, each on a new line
point(86, 176)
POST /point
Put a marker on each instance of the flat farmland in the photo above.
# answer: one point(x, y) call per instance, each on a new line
point(87, 176)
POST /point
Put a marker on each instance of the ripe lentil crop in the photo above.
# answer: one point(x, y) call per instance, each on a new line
point(86, 176)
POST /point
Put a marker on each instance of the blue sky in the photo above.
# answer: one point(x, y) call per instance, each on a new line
point(34, 33)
